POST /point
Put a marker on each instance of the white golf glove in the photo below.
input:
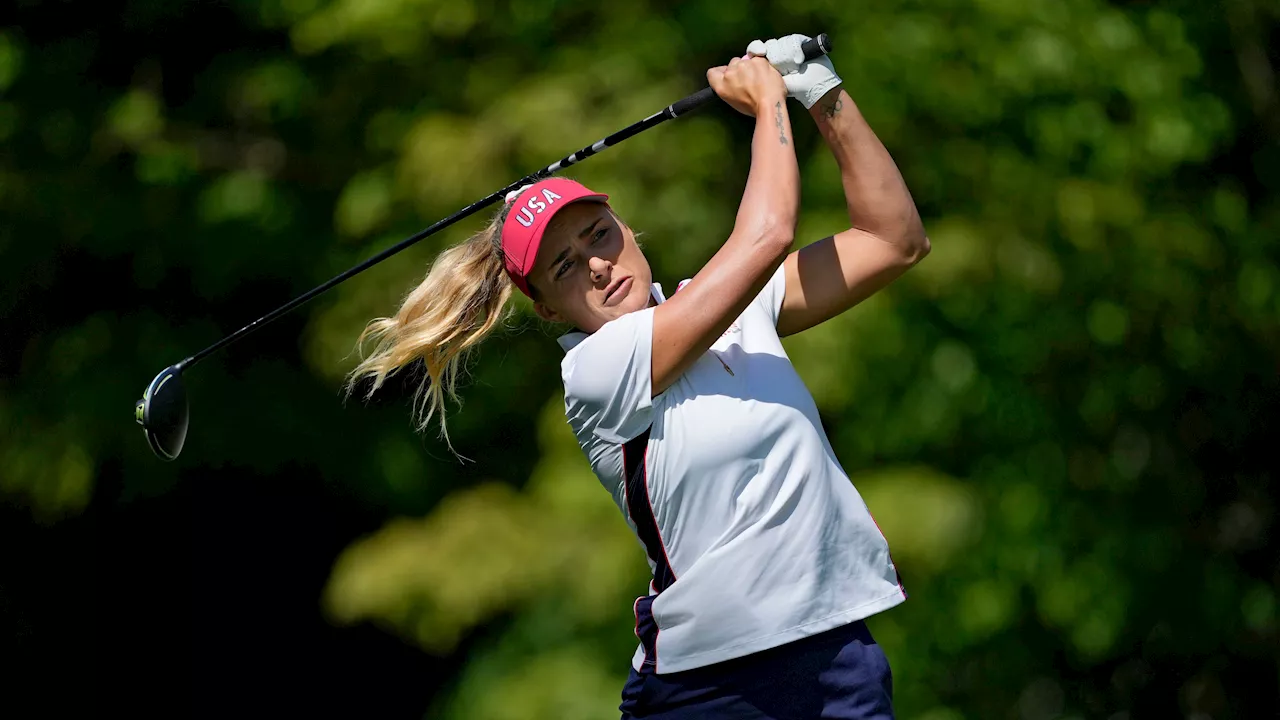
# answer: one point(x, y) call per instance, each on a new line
point(807, 81)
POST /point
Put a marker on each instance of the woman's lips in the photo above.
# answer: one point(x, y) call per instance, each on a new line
point(619, 291)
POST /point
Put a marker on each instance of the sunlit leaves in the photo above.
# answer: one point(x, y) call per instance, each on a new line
point(449, 162)
point(927, 517)
point(364, 204)
point(10, 60)
point(1259, 608)
point(575, 682)
point(162, 163)
point(136, 117)
point(1108, 322)
point(44, 467)
point(394, 27)
point(488, 550)
point(273, 91)
point(433, 579)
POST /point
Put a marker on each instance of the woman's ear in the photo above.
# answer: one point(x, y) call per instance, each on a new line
point(546, 313)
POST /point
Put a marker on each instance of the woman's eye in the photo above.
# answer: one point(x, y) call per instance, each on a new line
point(564, 268)
point(599, 235)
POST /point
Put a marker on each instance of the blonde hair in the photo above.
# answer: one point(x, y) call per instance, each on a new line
point(459, 303)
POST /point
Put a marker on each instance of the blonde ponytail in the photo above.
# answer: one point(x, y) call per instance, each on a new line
point(462, 299)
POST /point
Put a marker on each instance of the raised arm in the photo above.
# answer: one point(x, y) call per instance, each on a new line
point(885, 237)
point(686, 325)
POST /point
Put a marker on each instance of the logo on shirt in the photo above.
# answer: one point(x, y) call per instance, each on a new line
point(535, 206)
point(733, 326)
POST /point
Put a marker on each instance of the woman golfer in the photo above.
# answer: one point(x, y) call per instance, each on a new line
point(765, 560)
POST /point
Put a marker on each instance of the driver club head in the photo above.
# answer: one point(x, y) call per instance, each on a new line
point(162, 413)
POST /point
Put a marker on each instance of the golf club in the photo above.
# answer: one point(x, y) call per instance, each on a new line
point(163, 411)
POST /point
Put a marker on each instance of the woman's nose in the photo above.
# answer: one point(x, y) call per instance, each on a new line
point(599, 269)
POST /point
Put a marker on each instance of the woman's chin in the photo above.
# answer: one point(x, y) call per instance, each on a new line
point(637, 299)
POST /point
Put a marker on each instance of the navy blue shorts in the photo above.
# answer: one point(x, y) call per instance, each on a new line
point(840, 674)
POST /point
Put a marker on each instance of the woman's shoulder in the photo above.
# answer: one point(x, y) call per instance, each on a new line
point(597, 366)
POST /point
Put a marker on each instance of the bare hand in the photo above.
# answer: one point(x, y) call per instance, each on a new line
point(748, 84)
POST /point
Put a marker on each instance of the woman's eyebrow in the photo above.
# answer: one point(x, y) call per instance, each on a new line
point(551, 267)
point(589, 228)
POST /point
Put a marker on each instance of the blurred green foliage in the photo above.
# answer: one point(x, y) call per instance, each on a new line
point(1062, 419)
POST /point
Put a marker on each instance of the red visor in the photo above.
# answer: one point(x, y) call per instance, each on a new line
point(531, 210)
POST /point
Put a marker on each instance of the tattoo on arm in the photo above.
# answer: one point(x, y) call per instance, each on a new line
point(833, 109)
point(777, 118)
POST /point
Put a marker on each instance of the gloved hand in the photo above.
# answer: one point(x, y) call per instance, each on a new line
point(807, 81)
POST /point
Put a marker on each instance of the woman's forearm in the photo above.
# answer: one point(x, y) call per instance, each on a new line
point(771, 200)
point(687, 324)
point(874, 190)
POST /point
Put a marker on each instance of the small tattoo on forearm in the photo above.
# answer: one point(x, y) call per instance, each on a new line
point(777, 118)
point(831, 110)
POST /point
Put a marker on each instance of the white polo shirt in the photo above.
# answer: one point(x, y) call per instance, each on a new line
point(755, 534)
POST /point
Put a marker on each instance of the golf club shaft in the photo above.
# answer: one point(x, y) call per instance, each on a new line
point(813, 48)
point(666, 114)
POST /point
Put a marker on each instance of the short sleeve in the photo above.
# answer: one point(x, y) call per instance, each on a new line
point(607, 379)
point(771, 297)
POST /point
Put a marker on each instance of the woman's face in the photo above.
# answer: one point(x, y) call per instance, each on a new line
point(589, 269)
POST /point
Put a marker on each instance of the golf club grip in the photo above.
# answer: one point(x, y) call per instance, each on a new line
point(816, 47)
point(812, 48)
point(694, 101)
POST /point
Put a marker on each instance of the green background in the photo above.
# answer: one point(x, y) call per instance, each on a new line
point(1064, 419)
